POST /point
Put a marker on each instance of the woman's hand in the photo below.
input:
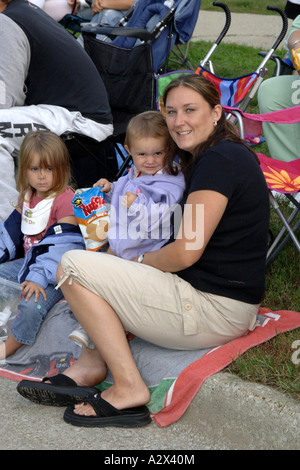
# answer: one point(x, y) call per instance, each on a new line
point(110, 252)
point(128, 199)
point(203, 211)
point(29, 288)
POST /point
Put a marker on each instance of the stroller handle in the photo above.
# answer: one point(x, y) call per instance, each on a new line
point(227, 21)
point(221, 35)
point(282, 34)
point(284, 25)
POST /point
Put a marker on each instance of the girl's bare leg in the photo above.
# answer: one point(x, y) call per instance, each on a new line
point(9, 347)
point(106, 331)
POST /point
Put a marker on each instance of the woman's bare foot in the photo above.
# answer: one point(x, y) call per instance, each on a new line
point(89, 370)
point(131, 398)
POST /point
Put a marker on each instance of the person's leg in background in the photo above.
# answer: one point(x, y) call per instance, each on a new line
point(274, 94)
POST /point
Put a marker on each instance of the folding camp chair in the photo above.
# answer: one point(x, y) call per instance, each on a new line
point(240, 90)
point(234, 92)
point(281, 177)
point(164, 78)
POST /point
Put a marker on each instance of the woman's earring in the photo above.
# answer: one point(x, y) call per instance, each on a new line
point(215, 123)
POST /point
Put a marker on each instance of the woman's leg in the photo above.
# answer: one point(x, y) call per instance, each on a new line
point(158, 307)
point(108, 294)
point(89, 370)
point(105, 329)
point(275, 94)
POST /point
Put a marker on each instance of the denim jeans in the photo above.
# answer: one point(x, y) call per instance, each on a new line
point(31, 314)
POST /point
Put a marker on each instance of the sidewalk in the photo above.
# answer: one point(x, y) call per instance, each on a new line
point(253, 30)
point(226, 414)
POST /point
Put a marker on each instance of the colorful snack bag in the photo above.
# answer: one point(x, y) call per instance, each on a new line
point(296, 58)
point(92, 216)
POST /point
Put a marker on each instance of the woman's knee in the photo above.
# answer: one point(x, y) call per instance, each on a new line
point(265, 95)
point(59, 271)
point(275, 94)
point(67, 260)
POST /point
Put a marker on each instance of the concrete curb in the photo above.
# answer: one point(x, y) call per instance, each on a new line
point(226, 414)
point(244, 415)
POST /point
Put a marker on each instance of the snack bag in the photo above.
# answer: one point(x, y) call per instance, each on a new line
point(92, 216)
point(296, 59)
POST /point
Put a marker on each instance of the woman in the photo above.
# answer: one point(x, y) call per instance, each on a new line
point(218, 257)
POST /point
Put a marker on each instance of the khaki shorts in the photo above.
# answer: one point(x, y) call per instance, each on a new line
point(160, 307)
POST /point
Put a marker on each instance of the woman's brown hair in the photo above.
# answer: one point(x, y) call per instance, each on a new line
point(224, 130)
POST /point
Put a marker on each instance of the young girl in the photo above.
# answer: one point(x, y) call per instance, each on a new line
point(141, 202)
point(37, 233)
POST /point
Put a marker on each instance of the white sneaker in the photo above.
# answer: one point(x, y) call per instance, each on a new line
point(80, 337)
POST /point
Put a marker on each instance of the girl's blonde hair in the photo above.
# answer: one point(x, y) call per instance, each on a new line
point(52, 152)
point(152, 124)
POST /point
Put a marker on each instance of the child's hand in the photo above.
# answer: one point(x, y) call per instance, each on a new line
point(105, 183)
point(29, 288)
point(128, 199)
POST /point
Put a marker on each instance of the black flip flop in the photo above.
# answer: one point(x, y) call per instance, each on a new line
point(108, 415)
point(61, 391)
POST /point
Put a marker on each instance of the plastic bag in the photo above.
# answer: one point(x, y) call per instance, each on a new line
point(10, 295)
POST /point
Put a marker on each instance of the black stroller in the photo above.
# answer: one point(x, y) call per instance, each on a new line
point(129, 60)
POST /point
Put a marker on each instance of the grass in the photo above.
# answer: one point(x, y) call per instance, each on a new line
point(243, 6)
point(230, 60)
point(275, 363)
